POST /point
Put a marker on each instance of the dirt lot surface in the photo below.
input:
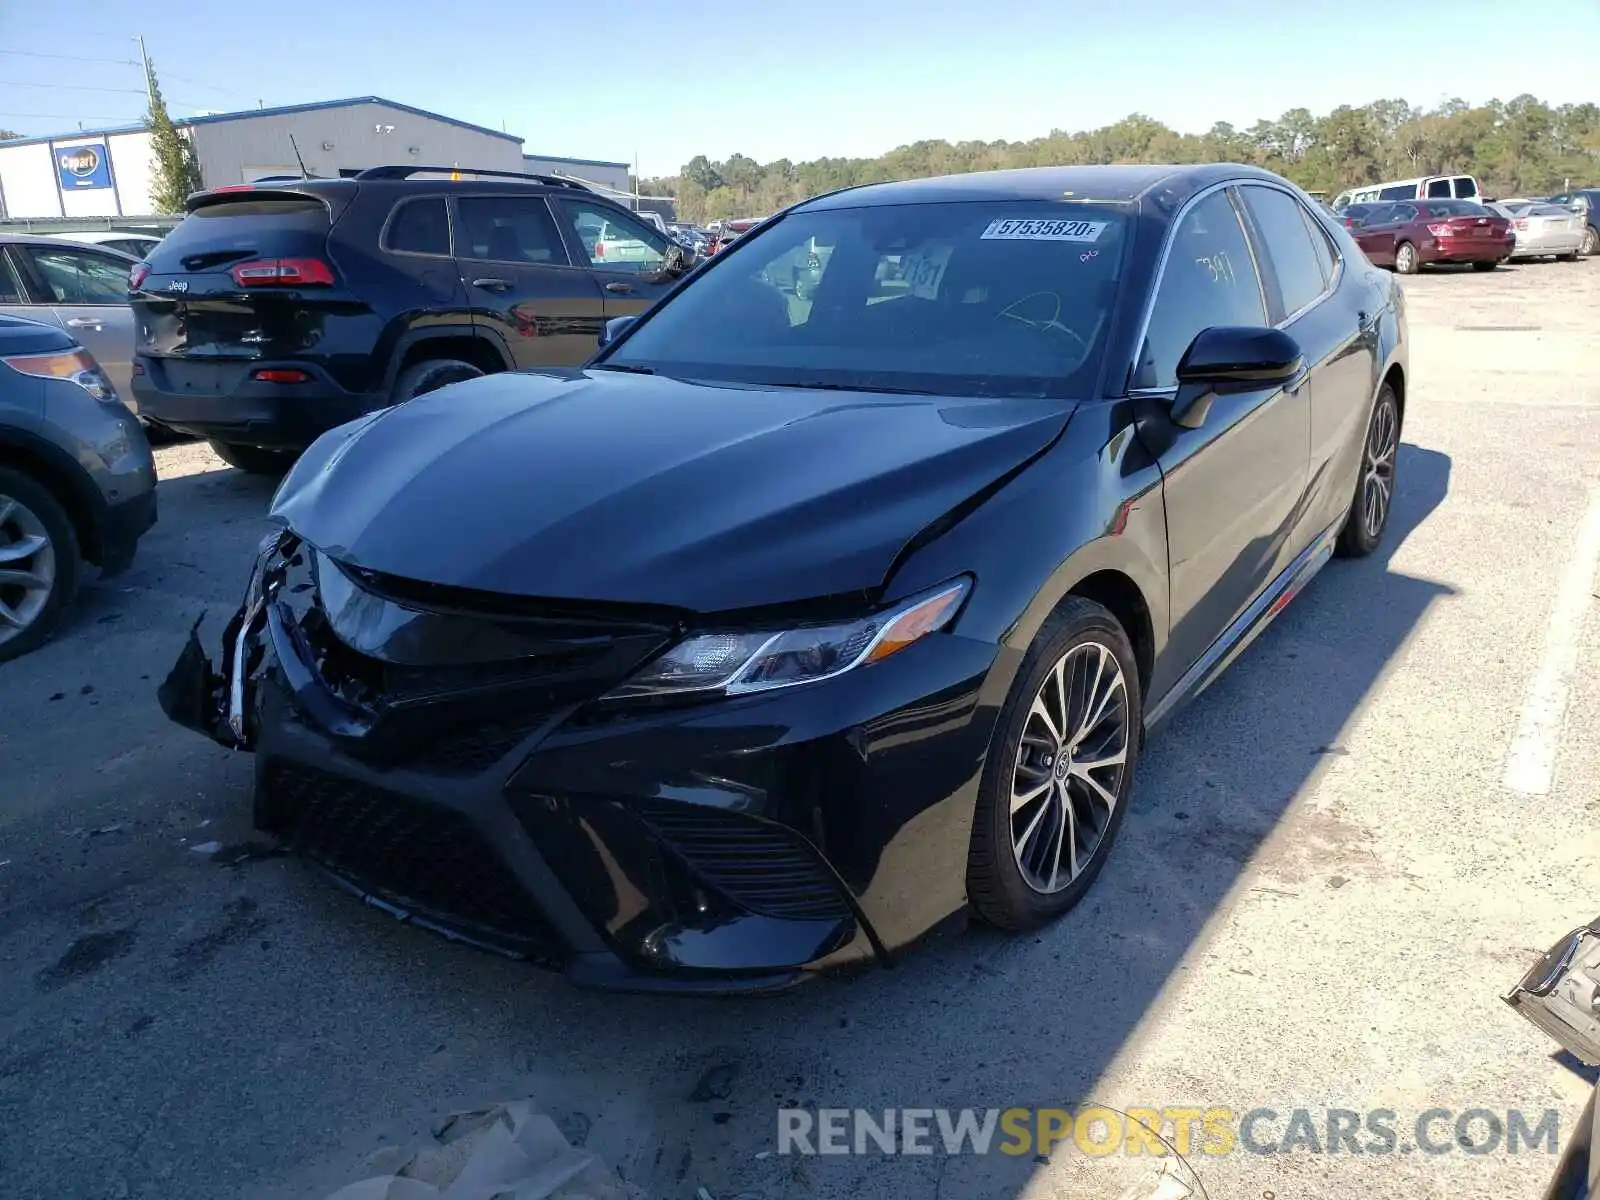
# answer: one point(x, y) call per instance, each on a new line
point(1323, 887)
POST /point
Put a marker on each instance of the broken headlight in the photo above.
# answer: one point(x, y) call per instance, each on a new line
point(741, 662)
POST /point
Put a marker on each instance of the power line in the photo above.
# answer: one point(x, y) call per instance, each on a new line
point(117, 62)
point(165, 74)
point(79, 87)
point(66, 117)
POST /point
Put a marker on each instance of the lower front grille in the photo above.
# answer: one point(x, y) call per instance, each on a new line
point(759, 866)
point(426, 860)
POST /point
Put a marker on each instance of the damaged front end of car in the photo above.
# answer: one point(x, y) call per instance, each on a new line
point(218, 701)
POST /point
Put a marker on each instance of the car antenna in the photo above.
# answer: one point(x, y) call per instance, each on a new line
point(304, 174)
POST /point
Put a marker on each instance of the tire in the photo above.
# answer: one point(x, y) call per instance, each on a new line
point(430, 375)
point(29, 514)
point(1406, 260)
point(1486, 266)
point(255, 460)
point(1089, 644)
point(1380, 451)
point(1591, 242)
point(1570, 256)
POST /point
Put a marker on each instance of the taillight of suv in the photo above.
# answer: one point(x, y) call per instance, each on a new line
point(282, 272)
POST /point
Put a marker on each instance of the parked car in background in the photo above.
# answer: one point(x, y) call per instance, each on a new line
point(275, 312)
point(135, 244)
point(1586, 203)
point(1542, 230)
point(771, 639)
point(77, 480)
point(82, 289)
point(1352, 216)
point(1424, 187)
point(1410, 235)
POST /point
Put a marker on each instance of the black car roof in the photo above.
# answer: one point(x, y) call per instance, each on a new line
point(1115, 184)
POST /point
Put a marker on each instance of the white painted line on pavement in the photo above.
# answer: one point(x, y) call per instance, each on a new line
point(1531, 765)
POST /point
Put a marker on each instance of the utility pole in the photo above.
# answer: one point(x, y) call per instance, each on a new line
point(144, 59)
point(637, 182)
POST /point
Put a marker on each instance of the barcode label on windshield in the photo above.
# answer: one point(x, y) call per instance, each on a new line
point(1017, 229)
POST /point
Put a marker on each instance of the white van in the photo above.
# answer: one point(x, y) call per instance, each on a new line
point(1425, 187)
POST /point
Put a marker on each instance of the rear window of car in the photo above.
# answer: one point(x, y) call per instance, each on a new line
point(1549, 210)
point(259, 225)
point(1456, 208)
point(994, 299)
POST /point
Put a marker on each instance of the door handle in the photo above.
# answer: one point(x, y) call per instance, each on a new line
point(493, 285)
point(85, 323)
point(619, 286)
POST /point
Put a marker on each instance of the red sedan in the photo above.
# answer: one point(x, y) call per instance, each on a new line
point(1416, 232)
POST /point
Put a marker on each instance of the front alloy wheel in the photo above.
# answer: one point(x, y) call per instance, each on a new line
point(1059, 770)
point(38, 563)
point(1069, 765)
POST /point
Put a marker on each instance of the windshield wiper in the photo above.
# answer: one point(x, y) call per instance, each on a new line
point(628, 367)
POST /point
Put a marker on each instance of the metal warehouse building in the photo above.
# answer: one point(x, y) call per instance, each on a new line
point(107, 172)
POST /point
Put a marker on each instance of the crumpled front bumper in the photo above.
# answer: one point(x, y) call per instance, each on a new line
point(733, 848)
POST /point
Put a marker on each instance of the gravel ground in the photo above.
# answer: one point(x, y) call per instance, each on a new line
point(1321, 891)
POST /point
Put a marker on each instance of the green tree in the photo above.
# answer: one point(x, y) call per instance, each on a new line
point(1518, 146)
point(174, 171)
point(7, 135)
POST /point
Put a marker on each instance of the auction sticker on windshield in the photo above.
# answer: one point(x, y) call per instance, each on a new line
point(924, 268)
point(1032, 230)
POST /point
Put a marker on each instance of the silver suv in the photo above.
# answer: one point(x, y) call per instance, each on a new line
point(77, 480)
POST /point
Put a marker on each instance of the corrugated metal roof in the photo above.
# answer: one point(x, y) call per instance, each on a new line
point(280, 110)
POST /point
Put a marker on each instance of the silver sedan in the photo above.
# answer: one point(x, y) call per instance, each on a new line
point(1542, 229)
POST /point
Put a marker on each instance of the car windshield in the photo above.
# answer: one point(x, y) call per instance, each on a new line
point(1009, 299)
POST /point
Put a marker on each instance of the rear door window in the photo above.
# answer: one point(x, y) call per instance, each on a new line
point(1210, 279)
point(1465, 187)
point(1289, 249)
point(1408, 192)
point(10, 286)
point(1438, 188)
point(419, 226)
point(515, 229)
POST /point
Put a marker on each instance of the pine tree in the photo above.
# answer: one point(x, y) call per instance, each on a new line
point(174, 171)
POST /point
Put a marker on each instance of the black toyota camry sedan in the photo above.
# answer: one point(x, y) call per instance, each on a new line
point(795, 623)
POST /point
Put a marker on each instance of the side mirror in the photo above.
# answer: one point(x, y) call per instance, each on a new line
point(679, 260)
point(1232, 358)
point(613, 329)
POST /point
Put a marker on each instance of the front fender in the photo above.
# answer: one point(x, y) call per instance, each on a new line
point(1092, 504)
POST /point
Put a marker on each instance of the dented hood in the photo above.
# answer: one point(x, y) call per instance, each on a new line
point(629, 488)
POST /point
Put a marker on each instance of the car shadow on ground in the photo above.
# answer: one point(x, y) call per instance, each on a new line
point(974, 1018)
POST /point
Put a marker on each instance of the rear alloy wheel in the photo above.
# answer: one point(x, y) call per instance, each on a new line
point(1374, 498)
point(255, 460)
point(39, 563)
point(423, 377)
point(1487, 266)
point(1591, 242)
point(1405, 259)
point(1059, 770)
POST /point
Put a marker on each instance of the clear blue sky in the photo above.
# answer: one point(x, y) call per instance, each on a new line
point(673, 78)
